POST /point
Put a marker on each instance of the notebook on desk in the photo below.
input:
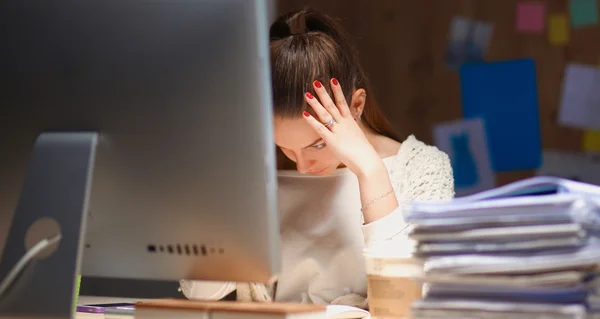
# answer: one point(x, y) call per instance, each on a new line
point(105, 311)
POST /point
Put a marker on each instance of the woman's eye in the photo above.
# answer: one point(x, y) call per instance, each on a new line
point(319, 146)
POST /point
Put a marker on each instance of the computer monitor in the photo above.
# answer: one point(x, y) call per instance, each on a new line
point(145, 126)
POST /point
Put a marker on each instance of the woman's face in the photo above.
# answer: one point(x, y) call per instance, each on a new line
point(301, 144)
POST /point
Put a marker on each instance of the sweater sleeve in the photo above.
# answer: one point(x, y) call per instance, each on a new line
point(420, 172)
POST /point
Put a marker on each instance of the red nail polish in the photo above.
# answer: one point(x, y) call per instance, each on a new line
point(334, 81)
point(318, 84)
point(309, 96)
point(305, 114)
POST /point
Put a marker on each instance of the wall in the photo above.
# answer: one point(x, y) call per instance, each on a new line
point(402, 45)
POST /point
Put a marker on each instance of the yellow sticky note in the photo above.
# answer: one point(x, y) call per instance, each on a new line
point(558, 29)
point(591, 140)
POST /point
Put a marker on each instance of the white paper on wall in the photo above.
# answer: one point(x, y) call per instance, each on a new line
point(580, 100)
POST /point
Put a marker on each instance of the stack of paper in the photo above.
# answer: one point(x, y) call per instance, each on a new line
point(530, 249)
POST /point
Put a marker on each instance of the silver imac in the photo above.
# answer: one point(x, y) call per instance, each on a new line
point(141, 132)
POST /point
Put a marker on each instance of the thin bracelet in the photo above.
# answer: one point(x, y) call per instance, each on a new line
point(376, 199)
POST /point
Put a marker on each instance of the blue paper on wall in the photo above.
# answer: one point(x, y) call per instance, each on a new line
point(504, 95)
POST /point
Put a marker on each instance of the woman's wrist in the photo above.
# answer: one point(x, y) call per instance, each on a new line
point(376, 199)
point(374, 170)
point(376, 192)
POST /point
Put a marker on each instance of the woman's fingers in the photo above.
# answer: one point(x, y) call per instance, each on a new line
point(322, 114)
point(323, 131)
point(326, 100)
point(340, 99)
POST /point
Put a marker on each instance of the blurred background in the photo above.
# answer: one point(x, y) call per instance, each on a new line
point(415, 51)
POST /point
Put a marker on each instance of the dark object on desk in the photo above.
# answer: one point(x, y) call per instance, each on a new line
point(102, 308)
point(129, 288)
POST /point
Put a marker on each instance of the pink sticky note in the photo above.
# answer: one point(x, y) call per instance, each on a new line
point(531, 16)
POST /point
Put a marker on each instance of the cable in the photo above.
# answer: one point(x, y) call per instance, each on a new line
point(29, 255)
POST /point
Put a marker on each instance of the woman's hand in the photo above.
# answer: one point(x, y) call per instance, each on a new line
point(342, 135)
point(352, 147)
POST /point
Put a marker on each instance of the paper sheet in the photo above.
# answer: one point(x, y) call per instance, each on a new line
point(558, 29)
point(481, 37)
point(583, 12)
point(504, 94)
point(583, 167)
point(468, 41)
point(346, 312)
point(591, 141)
point(465, 143)
point(530, 16)
point(580, 100)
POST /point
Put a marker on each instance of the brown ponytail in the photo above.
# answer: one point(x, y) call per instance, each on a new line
point(307, 46)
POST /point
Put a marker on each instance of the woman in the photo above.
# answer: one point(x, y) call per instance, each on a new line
point(352, 175)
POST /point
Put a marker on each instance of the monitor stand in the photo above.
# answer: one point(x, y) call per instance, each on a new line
point(53, 200)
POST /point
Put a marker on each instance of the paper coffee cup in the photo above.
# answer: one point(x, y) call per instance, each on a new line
point(392, 283)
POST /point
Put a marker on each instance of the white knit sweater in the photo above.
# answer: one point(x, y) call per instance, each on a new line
point(418, 172)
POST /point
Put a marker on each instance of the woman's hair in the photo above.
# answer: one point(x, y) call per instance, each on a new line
point(307, 45)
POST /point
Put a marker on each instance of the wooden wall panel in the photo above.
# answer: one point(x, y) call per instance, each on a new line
point(402, 45)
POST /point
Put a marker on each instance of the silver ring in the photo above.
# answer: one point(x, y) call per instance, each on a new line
point(328, 124)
